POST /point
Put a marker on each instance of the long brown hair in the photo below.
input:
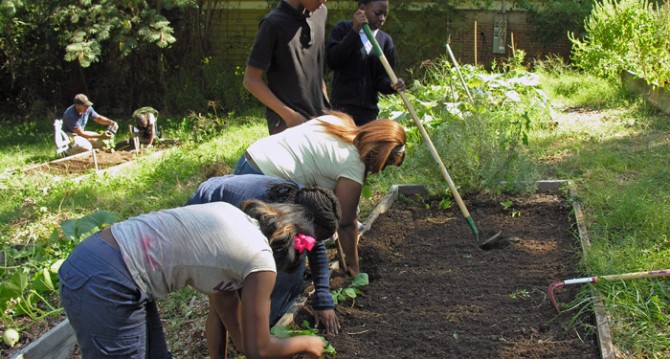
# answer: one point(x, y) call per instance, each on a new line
point(380, 143)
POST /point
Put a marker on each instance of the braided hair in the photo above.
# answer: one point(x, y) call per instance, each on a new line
point(323, 208)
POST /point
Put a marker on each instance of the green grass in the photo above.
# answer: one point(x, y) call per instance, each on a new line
point(621, 165)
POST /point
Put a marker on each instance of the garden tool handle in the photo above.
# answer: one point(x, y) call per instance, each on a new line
point(410, 108)
point(626, 276)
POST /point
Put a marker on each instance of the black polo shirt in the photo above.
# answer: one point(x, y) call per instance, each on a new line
point(290, 48)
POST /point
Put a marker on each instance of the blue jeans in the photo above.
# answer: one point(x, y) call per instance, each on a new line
point(111, 316)
point(243, 167)
point(288, 287)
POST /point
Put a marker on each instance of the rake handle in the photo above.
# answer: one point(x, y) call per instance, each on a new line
point(422, 130)
point(626, 276)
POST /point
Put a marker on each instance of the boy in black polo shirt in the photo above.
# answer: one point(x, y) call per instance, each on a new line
point(289, 48)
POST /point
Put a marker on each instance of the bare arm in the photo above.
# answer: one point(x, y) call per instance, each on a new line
point(224, 314)
point(253, 82)
point(324, 88)
point(90, 134)
point(257, 341)
point(348, 192)
point(103, 120)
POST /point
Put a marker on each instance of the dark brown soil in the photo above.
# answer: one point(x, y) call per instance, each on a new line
point(83, 163)
point(80, 163)
point(434, 293)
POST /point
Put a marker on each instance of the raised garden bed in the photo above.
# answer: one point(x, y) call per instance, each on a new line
point(83, 162)
point(434, 293)
point(658, 97)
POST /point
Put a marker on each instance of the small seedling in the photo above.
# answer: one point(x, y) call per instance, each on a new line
point(446, 203)
point(288, 331)
point(507, 204)
point(519, 293)
point(352, 291)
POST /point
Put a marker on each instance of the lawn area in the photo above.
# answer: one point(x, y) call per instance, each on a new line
point(614, 148)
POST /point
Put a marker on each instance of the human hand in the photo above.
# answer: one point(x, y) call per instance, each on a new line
point(315, 346)
point(293, 118)
point(399, 86)
point(107, 134)
point(359, 19)
point(329, 320)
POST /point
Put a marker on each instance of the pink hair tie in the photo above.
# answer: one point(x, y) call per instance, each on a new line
point(303, 241)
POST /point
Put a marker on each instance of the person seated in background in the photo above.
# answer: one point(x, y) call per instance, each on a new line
point(75, 119)
point(145, 125)
point(235, 189)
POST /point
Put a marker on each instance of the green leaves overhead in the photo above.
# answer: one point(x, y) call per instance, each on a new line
point(86, 26)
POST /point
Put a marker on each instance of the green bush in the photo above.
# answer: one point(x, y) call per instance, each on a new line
point(483, 142)
point(626, 35)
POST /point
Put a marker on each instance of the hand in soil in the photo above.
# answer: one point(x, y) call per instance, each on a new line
point(328, 320)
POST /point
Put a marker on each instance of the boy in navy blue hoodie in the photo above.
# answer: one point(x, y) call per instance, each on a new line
point(359, 76)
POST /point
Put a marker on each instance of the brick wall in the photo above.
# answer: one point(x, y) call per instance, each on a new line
point(419, 34)
point(463, 39)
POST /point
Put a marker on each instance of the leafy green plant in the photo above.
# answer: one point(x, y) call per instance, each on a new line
point(351, 292)
point(77, 229)
point(626, 35)
point(507, 204)
point(304, 329)
point(485, 142)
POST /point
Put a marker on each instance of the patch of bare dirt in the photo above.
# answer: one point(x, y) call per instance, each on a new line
point(434, 293)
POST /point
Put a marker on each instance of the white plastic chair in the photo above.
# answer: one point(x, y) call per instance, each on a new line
point(63, 142)
point(60, 137)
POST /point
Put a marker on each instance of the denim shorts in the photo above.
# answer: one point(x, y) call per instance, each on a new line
point(111, 316)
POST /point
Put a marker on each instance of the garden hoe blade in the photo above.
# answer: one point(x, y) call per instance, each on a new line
point(429, 143)
point(626, 276)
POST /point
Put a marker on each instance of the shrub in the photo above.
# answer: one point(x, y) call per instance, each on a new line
point(626, 35)
point(484, 141)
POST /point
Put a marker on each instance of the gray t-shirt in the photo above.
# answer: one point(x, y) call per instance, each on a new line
point(211, 247)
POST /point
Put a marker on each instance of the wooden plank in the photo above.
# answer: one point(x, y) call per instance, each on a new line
point(604, 336)
point(380, 208)
point(551, 186)
point(57, 343)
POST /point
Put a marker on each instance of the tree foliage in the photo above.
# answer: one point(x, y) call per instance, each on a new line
point(553, 19)
point(85, 26)
point(39, 40)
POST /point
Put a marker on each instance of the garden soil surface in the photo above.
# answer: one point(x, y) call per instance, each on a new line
point(434, 293)
point(83, 163)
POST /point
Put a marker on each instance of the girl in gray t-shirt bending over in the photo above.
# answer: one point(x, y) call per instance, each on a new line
point(110, 281)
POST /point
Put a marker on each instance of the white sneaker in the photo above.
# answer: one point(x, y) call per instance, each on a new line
point(360, 226)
